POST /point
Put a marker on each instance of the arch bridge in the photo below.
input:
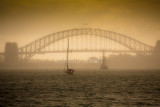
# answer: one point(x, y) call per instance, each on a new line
point(84, 40)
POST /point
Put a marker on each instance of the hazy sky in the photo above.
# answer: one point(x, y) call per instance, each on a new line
point(23, 21)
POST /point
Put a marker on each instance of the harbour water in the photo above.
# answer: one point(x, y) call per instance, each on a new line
point(86, 88)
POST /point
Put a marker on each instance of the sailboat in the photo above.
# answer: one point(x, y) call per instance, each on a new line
point(104, 66)
point(68, 70)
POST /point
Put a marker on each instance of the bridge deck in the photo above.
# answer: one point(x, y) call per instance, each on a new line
point(100, 50)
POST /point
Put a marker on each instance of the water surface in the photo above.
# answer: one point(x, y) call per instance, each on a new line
point(86, 88)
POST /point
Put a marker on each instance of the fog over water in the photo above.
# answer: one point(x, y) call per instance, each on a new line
point(112, 45)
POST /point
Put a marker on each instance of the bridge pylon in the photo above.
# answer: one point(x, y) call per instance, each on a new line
point(157, 49)
point(11, 53)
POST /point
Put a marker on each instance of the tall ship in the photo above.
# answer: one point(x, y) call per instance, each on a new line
point(104, 62)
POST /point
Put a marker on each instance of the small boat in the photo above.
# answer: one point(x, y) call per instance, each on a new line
point(104, 65)
point(68, 70)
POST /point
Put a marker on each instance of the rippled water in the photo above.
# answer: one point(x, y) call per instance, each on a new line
point(38, 88)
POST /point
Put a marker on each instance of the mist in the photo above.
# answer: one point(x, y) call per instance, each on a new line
point(72, 53)
point(23, 21)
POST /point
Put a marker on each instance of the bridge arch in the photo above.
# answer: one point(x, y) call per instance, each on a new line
point(30, 49)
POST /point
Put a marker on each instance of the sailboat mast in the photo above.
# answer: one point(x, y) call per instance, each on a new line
point(103, 57)
point(67, 53)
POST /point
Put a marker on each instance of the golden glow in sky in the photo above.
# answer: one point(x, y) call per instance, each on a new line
point(23, 21)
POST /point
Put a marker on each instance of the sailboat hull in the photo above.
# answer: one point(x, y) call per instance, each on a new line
point(70, 71)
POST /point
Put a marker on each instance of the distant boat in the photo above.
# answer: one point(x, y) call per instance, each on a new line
point(104, 65)
point(68, 70)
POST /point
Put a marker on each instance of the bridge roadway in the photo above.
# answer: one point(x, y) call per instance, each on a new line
point(85, 50)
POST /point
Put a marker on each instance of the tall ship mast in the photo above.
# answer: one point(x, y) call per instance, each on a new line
point(104, 64)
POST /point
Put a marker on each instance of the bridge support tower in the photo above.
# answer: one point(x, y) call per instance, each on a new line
point(11, 53)
point(156, 51)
